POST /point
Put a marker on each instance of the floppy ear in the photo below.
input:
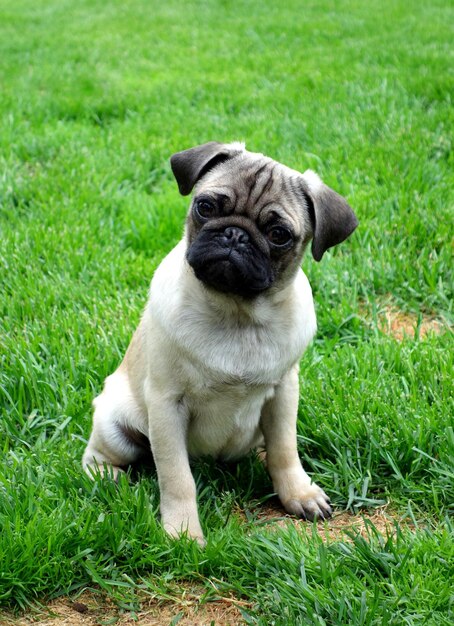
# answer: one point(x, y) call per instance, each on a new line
point(190, 165)
point(332, 217)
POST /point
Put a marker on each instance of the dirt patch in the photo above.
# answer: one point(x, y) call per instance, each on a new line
point(94, 609)
point(334, 529)
point(400, 325)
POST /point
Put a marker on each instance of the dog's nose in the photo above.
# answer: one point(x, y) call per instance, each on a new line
point(236, 235)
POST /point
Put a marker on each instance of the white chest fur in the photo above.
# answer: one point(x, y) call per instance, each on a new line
point(228, 360)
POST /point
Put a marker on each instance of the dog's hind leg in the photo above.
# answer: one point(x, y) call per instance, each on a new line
point(116, 439)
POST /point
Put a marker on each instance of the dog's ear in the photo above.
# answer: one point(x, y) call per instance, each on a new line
point(190, 165)
point(333, 219)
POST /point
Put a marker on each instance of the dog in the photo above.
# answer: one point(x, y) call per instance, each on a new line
point(212, 369)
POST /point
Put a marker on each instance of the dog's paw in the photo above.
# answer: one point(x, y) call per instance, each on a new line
point(310, 503)
point(180, 519)
point(195, 534)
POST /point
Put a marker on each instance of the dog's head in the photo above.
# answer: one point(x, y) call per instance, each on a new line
point(251, 217)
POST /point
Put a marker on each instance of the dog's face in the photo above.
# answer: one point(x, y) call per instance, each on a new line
point(251, 217)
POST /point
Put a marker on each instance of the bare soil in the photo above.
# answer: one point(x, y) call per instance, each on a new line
point(95, 609)
point(399, 324)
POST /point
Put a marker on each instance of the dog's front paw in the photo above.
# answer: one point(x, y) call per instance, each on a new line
point(183, 529)
point(310, 503)
point(182, 519)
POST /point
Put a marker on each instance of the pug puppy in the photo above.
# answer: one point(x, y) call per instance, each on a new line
point(212, 369)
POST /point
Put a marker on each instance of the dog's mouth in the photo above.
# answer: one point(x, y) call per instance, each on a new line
point(244, 271)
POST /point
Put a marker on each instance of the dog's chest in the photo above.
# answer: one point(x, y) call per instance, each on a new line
point(234, 357)
point(225, 389)
point(224, 417)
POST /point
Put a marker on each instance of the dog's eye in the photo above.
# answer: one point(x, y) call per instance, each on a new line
point(205, 209)
point(279, 236)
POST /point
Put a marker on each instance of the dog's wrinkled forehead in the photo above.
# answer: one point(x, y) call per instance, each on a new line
point(252, 183)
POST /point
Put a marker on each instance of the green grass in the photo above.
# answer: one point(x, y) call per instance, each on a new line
point(95, 97)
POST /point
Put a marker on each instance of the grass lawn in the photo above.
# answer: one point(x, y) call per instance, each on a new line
point(95, 96)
